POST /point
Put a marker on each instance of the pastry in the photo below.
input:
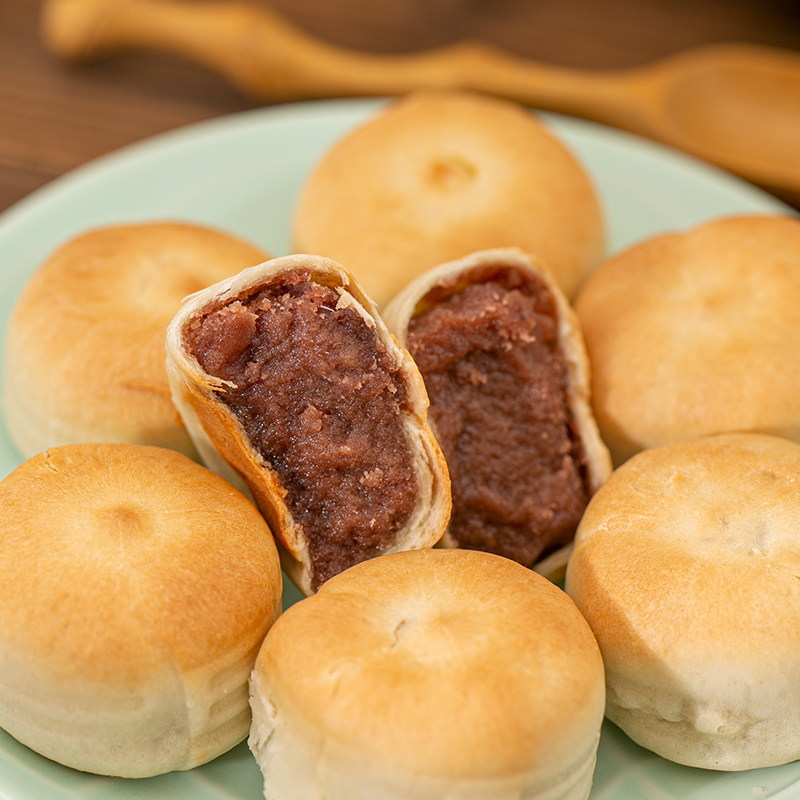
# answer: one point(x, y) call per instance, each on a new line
point(696, 332)
point(428, 674)
point(503, 360)
point(436, 175)
point(287, 377)
point(686, 567)
point(84, 355)
point(136, 588)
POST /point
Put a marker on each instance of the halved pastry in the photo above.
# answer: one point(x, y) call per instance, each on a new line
point(505, 367)
point(287, 376)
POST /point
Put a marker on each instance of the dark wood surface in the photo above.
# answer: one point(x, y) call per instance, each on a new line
point(55, 116)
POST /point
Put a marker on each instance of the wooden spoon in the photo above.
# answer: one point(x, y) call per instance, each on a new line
point(735, 105)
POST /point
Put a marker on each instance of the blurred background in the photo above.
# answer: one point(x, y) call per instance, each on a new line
point(56, 115)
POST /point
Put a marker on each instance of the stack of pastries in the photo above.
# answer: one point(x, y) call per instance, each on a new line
point(446, 401)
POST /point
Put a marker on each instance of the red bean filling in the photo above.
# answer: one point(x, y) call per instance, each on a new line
point(320, 399)
point(497, 381)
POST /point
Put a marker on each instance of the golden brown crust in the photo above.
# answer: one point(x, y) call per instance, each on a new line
point(686, 567)
point(429, 673)
point(440, 174)
point(696, 333)
point(137, 587)
point(455, 276)
point(85, 347)
point(224, 445)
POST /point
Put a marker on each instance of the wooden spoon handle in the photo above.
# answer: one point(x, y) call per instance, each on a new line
point(270, 59)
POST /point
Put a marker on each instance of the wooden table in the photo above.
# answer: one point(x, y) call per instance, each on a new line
point(55, 116)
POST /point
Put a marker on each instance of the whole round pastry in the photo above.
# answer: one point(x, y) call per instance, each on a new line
point(85, 354)
point(427, 674)
point(135, 590)
point(439, 174)
point(695, 333)
point(686, 567)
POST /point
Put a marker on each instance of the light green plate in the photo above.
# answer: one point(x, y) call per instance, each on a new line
point(243, 173)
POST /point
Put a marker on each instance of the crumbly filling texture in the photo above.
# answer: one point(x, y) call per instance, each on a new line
point(497, 381)
point(321, 400)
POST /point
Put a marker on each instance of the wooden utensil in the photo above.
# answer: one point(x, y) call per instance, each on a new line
point(735, 105)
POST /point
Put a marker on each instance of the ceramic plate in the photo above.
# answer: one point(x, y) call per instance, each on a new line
point(243, 173)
